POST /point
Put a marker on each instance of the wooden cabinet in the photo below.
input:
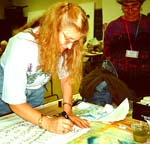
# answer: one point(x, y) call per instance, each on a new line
point(14, 19)
point(98, 24)
point(5, 30)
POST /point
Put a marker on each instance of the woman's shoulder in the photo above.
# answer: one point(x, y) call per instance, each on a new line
point(24, 35)
point(22, 42)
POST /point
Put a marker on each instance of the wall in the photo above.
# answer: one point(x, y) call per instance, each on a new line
point(43, 4)
point(39, 4)
point(87, 6)
point(112, 10)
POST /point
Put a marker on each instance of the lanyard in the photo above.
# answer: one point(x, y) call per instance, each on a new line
point(136, 33)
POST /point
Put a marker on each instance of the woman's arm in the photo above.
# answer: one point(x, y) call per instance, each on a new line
point(67, 95)
point(57, 125)
point(67, 104)
point(26, 112)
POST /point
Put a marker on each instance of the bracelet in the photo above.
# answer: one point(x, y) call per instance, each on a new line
point(67, 104)
point(40, 120)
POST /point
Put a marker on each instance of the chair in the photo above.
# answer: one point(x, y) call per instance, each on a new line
point(52, 93)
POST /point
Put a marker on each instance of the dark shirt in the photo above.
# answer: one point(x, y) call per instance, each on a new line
point(135, 72)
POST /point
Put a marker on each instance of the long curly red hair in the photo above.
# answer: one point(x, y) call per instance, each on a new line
point(57, 17)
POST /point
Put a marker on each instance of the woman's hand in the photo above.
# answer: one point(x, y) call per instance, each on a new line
point(82, 123)
point(58, 125)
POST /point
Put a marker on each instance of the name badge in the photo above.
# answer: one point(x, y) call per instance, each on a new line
point(132, 54)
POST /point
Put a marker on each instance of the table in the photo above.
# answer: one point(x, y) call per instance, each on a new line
point(13, 129)
point(116, 133)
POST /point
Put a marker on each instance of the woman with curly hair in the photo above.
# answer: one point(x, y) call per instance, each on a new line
point(49, 46)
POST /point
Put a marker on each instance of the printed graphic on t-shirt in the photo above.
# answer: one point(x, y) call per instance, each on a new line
point(36, 77)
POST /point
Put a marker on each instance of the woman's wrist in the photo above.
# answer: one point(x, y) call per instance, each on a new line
point(43, 122)
point(67, 107)
point(67, 103)
point(40, 120)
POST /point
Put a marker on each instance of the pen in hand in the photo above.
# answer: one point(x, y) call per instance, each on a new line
point(64, 114)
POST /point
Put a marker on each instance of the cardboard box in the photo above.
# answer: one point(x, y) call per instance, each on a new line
point(141, 111)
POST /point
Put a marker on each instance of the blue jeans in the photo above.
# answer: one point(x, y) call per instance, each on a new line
point(35, 97)
point(101, 95)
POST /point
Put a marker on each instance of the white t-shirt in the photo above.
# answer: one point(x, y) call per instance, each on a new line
point(20, 63)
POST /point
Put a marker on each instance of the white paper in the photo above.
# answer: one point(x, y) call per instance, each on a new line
point(14, 130)
point(64, 138)
point(91, 112)
point(118, 114)
point(105, 114)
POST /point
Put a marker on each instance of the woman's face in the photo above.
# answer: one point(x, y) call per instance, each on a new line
point(131, 10)
point(68, 37)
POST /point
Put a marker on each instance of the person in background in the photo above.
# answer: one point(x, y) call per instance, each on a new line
point(127, 45)
point(50, 45)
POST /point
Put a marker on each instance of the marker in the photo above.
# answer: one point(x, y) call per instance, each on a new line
point(64, 114)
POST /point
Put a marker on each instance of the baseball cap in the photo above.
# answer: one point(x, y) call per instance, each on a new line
point(127, 1)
